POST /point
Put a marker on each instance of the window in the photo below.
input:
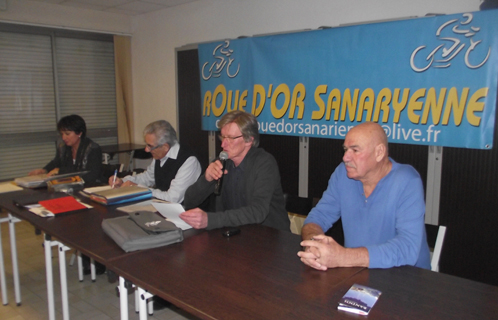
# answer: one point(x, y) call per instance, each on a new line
point(46, 74)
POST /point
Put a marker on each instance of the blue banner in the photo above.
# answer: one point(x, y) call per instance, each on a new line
point(427, 81)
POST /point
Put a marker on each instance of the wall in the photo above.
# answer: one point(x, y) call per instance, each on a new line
point(156, 35)
point(49, 15)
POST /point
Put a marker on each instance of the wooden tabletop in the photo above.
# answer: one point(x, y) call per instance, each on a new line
point(79, 230)
point(414, 293)
point(257, 274)
point(254, 275)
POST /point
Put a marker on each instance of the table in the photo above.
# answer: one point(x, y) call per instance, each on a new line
point(257, 275)
point(15, 268)
point(130, 148)
point(81, 231)
point(414, 293)
point(254, 275)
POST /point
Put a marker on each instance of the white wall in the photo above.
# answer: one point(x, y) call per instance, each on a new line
point(156, 35)
point(50, 15)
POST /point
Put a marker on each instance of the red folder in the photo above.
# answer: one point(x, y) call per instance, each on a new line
point(64, 204)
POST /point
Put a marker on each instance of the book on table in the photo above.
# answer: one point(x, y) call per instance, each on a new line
point(40, 180)
point(109, 196)
point(359, 299)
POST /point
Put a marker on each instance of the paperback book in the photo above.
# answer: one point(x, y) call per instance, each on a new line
point(359, 299)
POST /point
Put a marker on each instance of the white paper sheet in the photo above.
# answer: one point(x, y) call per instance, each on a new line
point(9, 187)
point(171, 212)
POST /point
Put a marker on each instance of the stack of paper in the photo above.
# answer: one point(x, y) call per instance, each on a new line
point(87, 192)
point(109, 196)
point(8, 187)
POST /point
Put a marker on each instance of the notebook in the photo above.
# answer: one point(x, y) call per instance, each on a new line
point(62, 205)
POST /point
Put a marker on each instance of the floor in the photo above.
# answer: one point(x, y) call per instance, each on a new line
point(88, 300)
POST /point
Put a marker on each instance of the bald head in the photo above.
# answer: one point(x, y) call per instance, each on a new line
point(372, 133)
point(366, 153)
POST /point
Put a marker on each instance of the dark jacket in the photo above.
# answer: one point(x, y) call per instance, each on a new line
point(88, 158)
point(264, 195)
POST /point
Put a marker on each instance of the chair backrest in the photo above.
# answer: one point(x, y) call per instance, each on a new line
point(297, 209)
point(106, 158)
point(435, 239)
point(297, 204)
point(108, 170)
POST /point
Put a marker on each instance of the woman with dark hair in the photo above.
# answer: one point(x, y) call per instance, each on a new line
point(75, 152)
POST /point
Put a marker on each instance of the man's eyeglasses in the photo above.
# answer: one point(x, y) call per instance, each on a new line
point(151, 148)
point(230, 139)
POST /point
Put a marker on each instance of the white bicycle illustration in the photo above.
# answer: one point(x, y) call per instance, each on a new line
point(446, 54)
point(216, 68)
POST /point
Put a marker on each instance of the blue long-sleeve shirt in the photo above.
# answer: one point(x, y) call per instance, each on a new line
point(389, 223)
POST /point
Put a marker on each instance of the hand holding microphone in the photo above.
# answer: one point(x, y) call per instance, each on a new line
point(223, 157)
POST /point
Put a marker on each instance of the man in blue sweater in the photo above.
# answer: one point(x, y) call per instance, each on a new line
point(381, 203)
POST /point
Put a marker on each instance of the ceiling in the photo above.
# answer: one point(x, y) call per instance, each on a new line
point(127, 7)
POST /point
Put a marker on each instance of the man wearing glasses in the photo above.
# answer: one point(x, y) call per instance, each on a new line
point(173, 168)
point(251, 191)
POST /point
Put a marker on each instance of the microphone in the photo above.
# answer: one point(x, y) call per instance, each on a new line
point(223, 158)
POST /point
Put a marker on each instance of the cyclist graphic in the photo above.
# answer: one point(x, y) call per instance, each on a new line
point(441, 56)
point(219, 53)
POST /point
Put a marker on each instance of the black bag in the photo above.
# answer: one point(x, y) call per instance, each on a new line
point(142, 230)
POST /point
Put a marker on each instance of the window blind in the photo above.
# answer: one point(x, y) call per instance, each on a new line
point(38, 67)
point(85, 70)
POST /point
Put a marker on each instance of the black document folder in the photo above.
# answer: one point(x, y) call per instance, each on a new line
point(30, 198)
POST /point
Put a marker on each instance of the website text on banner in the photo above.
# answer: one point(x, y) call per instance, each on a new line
point(427, 81)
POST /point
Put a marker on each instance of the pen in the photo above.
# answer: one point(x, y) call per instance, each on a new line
point(114, 180)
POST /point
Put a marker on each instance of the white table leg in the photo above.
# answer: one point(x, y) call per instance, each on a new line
point(130, 164)
point(92, 270)
point(3, 285)
point(80, 266)
point(63, 275)
point(123, 299)
point(15, 266)
point(48, 243)
point(144, 296)
point(137, 299)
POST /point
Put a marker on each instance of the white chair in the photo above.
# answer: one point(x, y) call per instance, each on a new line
point(435, 239)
